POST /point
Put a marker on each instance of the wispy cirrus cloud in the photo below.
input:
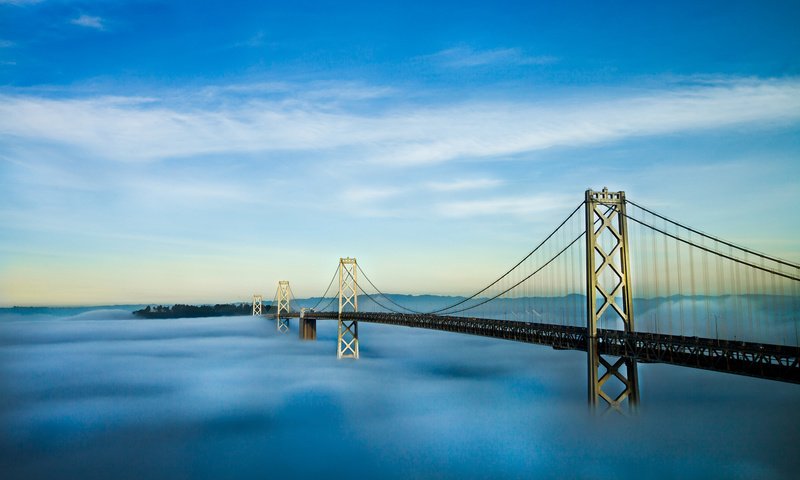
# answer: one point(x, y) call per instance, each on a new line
point(89, 21)
point(320, 92)
point(370, 194)
point(149, 129)
point(464, 184)
point(465, 57)
point(518, 205)
point(382, 200)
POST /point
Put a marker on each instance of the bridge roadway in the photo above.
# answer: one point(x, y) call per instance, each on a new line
point(773, 362)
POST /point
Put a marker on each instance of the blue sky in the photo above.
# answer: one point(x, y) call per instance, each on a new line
point(187, 152)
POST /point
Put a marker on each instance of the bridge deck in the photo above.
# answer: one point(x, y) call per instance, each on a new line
point(774, 362)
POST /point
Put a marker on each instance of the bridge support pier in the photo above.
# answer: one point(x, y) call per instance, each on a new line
point(347, 343)
point(608, 297)
point(283, 299)
point(308, 326)
point(257, 303)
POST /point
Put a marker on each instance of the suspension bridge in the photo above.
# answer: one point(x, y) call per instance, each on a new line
point(615, 279)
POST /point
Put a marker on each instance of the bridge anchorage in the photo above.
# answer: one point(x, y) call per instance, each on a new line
point(347, 342)
point(283, 296)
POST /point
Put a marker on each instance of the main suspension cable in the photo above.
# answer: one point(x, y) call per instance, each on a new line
point(716, 239)
point(524, 279)
point(328, 305)
point(326, 290)
point(729, 257)
point(610, 208)
point(514, 267)
point(383, 294)
point(380, 304)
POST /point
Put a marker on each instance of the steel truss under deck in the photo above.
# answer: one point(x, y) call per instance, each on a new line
point(773, 362)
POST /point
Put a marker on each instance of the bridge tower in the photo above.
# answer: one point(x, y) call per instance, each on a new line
point(608, 293)
point(282, 297)
point(257, 302)
point(348, 298)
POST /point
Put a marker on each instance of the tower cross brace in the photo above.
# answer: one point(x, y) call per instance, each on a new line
point(608, 293)
point(257, 303)
point(347, 344)
point(283, 300)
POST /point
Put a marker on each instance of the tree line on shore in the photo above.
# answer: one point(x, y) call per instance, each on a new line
point(193, 311)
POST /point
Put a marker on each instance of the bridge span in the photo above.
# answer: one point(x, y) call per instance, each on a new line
point(773, 362)
point(650, 290)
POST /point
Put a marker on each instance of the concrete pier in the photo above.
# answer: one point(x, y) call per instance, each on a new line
point(308, 328)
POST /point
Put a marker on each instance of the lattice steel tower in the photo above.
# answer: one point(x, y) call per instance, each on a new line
point(257, 302)
point(608, 294)
point(283, 301)
point(348, 299)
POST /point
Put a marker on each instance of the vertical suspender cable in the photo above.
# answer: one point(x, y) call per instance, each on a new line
point(706, 292)
point(680, 283)
point(738, 296)
point(692, 290)
point(722, 297)
point(749, 298)
point(668, 289)
point(641, 262)
point(658, 298)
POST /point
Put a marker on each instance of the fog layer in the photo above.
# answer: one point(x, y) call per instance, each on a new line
point(99, 394)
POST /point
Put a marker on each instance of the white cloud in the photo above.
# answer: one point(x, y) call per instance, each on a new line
point(366, 194)
point(190, 191)
point(464, 57)
point(519, 206)
point(467, 184)
point(88, 21)
point(339, 91)
point(144, 129)
point(314, 92)
point(369, 200)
